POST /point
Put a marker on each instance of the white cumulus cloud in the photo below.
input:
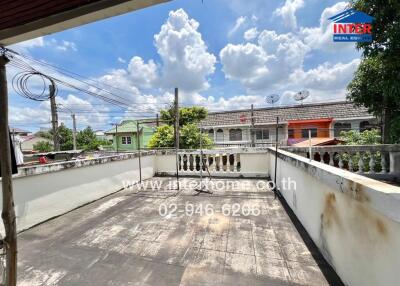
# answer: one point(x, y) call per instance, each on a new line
point(288, 12)
point(326, 76)
point(265, 64)
point(186, 63)
point(250, 34)
point(238, 24)
point(141, 73)
point(321, 37)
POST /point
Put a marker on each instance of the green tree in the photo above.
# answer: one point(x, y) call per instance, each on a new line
point(187, 115)
point(43, 146)
point(376, 84)
point(367, 137)
point(190, 138)
point(163, 137)
point(189, 135)
point(65, 138)
point(87, 140)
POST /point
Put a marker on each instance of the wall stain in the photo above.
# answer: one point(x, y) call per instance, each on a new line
point(358, 193)
point(330, 214)
point(381, 227)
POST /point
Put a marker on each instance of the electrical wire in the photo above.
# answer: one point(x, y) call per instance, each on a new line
point(20, 85)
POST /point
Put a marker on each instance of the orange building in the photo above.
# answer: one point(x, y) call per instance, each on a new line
point(299, 129)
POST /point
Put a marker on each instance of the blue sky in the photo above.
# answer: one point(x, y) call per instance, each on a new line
point(222, 54)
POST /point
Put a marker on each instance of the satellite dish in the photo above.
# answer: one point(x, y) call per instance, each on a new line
point(272, 98)
point(301, 95)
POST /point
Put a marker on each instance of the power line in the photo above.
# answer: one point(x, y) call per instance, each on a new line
point(20, 63)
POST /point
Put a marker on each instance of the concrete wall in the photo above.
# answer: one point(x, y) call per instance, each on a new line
point(44, 192)
point(253, 164)
point(354, 220)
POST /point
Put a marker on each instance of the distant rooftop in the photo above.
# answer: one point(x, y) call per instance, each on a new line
point(18, 130)
point(267, 115)
point(126, 126)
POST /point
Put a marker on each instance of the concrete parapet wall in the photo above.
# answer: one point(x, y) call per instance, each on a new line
point(354, 220)
point(43, 192)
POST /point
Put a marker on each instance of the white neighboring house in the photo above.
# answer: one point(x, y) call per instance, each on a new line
point(325, 120)
point(30, 140)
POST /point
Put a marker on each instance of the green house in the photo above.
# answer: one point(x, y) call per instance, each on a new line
point(125, 135)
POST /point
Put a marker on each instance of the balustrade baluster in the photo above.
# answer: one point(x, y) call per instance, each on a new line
point(331, 158)
point(360, 163)
point(211, 163)
point(341, 164)
point(383, 163)
point(351, 164)
point(205, 162)
point(371, 163)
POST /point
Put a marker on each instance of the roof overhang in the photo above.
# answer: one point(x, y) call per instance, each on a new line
point(321, 120)
point(30, 19)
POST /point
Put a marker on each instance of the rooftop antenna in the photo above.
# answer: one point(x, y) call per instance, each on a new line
point(301, 95)
point(272, 98)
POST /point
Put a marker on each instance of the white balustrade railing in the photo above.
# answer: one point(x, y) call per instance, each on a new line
point(214, 161)
point(366, 159)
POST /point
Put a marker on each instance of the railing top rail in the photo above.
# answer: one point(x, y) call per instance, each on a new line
point(225, 150)
point(347, 148)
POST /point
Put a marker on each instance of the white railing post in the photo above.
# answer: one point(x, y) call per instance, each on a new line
point(394, 161)
point(360, 163)
point(371, 163)
point(351, 165)
point(331, 157)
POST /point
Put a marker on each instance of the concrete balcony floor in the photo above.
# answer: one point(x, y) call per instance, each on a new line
point(123, 240)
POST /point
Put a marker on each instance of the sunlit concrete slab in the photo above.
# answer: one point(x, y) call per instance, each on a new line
point(242, 236)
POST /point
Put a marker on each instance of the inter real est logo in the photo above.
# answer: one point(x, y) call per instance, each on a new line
point(352, 26)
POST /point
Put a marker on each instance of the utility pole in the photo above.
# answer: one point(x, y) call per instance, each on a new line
point(74, 129)
point(176, 103)
point(157, 121)
point(54, 117)
point(8, 212)
point(116, 136)
point(252, 132)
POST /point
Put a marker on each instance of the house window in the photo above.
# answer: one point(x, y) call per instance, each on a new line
point(220, 135)
point(211, 133)
point(235, 135)
point(262, 134)
point(364, 125)
point(291, 133)
point(304, 132)
point(339, 127)
point(126, 140)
